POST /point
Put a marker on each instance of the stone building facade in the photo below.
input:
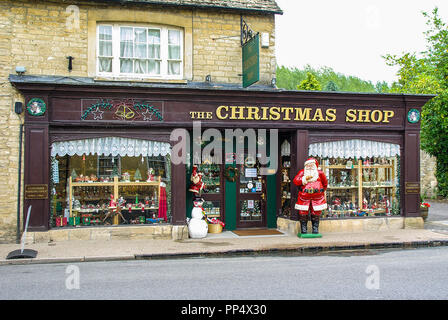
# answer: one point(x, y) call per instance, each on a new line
point(428, 181)
point(40, 35)
point(84, 55)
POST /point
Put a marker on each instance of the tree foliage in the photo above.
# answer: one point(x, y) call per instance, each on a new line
point(309, 83)
point(331, 86)
point(427, 73)
point(289, 78)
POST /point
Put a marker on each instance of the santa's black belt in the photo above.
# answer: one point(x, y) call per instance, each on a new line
point(313, 190)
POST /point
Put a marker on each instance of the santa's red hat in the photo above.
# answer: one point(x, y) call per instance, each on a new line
point(312, 160)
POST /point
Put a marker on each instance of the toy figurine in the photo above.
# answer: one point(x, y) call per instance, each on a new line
point(196, 178)
point(150, 175)
point(197, 225)
point(311, 198)
point(285, 176)
point(115, 208)
point(112, 203)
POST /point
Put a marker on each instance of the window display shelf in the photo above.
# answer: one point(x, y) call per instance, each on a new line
point(378, 186)
point(356, 188)
point(117, 189)
point(343, 187)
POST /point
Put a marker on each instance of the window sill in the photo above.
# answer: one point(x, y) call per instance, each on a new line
point(142, 80)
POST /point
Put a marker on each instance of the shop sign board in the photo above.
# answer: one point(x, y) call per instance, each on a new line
point(36, 191)
point(251, 61)
point(412, 188)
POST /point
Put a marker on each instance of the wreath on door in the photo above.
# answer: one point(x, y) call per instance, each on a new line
point(231, 173)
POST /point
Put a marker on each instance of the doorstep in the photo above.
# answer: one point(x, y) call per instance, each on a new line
point(231, 235)
point(120, 232)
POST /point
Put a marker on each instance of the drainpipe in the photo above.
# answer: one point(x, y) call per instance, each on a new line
point(19, 184)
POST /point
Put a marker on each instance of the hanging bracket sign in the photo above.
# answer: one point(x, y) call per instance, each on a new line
point(251, 54)
point(251, 61)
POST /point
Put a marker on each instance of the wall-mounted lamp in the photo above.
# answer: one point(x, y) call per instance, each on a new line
point(20, 70)
point(274, 82)
point(208, 78)
point(18, 107)
point(70, 63)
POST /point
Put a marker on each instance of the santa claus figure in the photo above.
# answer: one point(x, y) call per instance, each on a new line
point(311, 200)
point(196, 178)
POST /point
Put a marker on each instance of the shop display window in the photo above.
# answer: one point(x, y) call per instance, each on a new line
point(211, 176)
point(213, 193)
point(363, 186)
point(285, 180)
point(212, 208)
point(110, 190)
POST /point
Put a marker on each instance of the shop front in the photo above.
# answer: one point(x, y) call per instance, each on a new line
point(107, 154)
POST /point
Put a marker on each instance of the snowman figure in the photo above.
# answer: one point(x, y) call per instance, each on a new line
point(197, 226)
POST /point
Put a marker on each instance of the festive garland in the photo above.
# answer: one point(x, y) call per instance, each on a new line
point(108, 105)
point(98, 105)
point(150, 108)
point(228, 174)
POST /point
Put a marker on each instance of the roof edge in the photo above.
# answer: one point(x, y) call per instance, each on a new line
point(31, 81)
point(189, 5)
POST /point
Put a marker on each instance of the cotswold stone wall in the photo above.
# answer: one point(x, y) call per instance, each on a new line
point(428, 181)
point(40, 35)
point(217, 48)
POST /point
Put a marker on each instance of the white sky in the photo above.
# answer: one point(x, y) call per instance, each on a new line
point(350, 36)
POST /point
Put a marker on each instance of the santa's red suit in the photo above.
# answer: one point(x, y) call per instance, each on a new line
point(311, 195)
point(196, 178)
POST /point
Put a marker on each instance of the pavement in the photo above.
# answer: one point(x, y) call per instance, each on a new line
point(435, 233)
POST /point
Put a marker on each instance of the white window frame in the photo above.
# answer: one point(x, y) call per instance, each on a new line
point(163, 53)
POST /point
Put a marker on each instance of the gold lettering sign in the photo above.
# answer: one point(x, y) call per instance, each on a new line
point(36, 191)
point(412, 188)
point(282, 113)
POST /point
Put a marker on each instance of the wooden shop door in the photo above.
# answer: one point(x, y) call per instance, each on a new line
point(250, 195)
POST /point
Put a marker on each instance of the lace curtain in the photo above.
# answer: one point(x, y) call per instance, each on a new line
point(110, 146)
point(173, 52)
point(105, 49)
point(139, 50)
point(126, 50)
point(353, 148)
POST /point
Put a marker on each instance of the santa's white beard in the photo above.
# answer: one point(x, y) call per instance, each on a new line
point(311, 172)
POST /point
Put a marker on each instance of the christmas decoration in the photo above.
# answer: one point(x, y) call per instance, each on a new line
point(311, 198)
point(137, 175)
point(115, 172)
point(196, 178)
point(162, 202)
point(197, 226)
point(150, 175)
point(36, 107)
point(231, 173)
point(73, 174)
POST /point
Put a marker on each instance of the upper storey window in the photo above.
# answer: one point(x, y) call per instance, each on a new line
point(139, 52)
